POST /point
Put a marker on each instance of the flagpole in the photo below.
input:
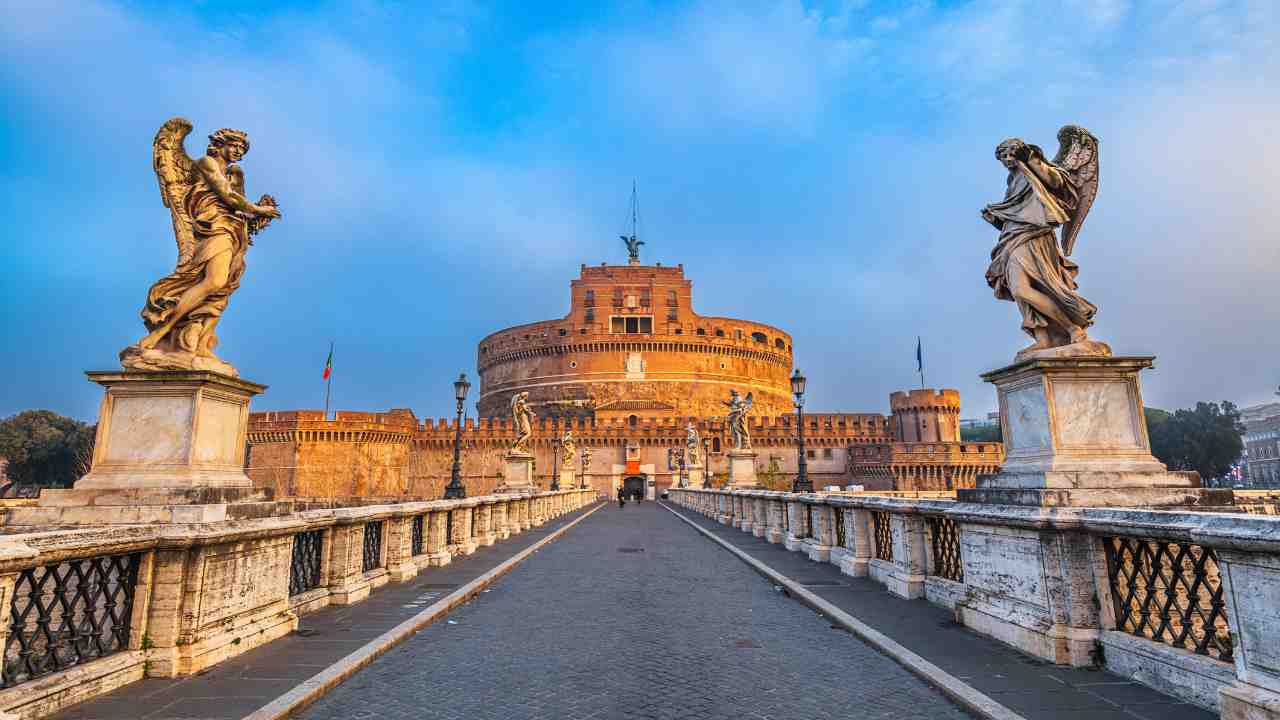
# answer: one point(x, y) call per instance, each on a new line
point(920, 360)
point(328, 384)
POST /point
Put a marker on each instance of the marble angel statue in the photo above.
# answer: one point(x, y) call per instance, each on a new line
point(522, 421)
point(1030, 264)
point(213, 223)
point(570, 447)
point(737, 419)
point(693, 445)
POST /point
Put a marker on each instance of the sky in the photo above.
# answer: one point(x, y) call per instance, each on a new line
point(445, 168)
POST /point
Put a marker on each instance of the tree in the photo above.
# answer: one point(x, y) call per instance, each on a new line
point(45, 449)
point(1206, 439)
point(981, 433)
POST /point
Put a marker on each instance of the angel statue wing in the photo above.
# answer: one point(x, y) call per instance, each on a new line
point(1078, 157)
point(746, 407)
point(176, 173)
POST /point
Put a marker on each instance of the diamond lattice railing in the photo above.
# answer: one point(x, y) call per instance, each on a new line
point(1170, 593)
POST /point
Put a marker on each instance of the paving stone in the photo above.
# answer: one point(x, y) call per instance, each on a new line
point(680, 630)
point(325, 636)
point(1035, 688)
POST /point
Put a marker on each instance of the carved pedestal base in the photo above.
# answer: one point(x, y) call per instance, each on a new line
point(742, 469)
point(518, 473)
point(695, 476)
point(134, 358)
point(169, 449)
point(1075, 435)
point(568, 479)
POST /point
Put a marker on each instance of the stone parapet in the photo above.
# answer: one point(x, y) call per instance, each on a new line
point(196, 594)
point(1065, 584)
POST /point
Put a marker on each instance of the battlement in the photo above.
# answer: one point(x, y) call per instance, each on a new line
point(354, 426)
point(925, 399)
point(631, 273)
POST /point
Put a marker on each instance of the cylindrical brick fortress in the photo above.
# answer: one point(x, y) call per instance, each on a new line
point(632, 345)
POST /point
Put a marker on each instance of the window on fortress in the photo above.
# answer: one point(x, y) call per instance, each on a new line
point(617, 297)
point(715, 445)
point(702, 331)
point(671, 297)
point(719, 332)
point(631, 325)
point(759, 337)
point(809, 454)
point(671, 315)
point(679, 331)
point(590, 299)
point(779, 344)
point(645, 298)
point(591, 315)
point(563, 332)
point(633, 421)
point(826, 453)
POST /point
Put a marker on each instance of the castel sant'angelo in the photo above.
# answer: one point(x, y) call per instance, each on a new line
point(626, 371)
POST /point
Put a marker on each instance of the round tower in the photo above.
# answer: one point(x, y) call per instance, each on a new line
point(926, 415)
point(632, 347)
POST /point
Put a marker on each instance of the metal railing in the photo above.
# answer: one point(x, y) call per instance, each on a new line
point(68, 614)
point(944, 539)
point(304, 568)
point(883, 532)
point(372, 545)
point(415, 535)
point(1170, 593)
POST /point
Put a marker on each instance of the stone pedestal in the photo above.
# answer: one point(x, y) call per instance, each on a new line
point(170, 430)
point(517, 474)
point(1075, 435)
point(170, 448)
point(695, 475)
point(742, 469)
point(568, 479)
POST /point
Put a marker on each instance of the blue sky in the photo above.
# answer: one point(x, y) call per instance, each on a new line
point(444, 169)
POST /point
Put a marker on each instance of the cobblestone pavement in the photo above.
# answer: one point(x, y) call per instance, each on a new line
point(632, 615)
point(1033, 688)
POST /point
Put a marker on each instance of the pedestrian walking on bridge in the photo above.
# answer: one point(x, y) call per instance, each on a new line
point(622, 498)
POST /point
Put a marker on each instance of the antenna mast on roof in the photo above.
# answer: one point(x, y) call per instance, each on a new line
point(633, 240)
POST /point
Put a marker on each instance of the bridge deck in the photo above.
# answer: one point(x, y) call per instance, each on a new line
point(633, 615)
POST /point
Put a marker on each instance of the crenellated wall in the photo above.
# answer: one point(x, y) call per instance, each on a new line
point(391, 454)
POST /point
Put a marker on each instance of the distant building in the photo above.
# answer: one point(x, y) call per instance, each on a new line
point(626, 370)
point(1261, 466)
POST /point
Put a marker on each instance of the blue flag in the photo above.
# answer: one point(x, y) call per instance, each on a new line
point(919, 355)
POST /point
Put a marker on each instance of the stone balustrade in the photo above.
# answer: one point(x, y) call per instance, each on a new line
point(1186, 602)
point(84, 611)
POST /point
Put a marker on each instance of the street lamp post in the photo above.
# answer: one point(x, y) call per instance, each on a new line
point(555, 461)
point(802, 483)
point(706, 462)
point(455, 490)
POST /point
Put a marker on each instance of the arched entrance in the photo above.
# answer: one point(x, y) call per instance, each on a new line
point(633, 487)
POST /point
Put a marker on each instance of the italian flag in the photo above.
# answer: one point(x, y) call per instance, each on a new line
point(328, 365)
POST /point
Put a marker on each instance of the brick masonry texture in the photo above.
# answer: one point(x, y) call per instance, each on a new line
point(672, 628)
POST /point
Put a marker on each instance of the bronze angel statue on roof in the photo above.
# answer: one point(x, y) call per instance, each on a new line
point(213, 222)
point(1028, 265)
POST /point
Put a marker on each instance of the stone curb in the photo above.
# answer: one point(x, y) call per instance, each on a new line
point(311, 689)
point(960, 692)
